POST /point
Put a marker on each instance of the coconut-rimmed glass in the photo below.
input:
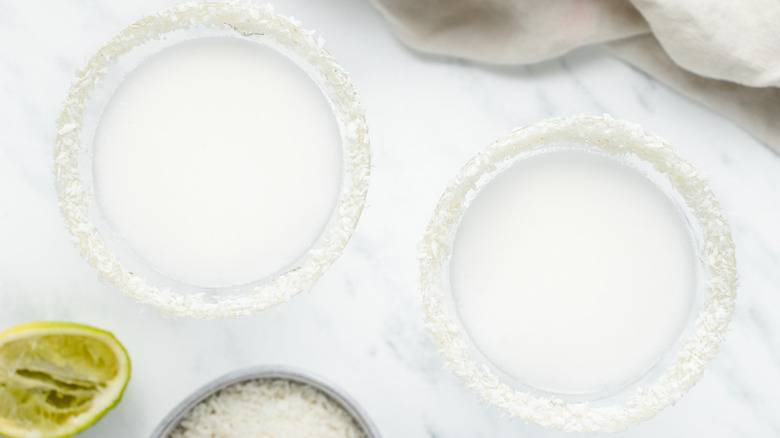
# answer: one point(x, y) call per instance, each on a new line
point(667, 378)
point(92, 89)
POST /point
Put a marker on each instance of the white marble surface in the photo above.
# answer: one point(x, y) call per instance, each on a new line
point(361, 325)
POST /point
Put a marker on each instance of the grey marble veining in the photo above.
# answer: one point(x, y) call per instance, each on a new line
point(361, 326)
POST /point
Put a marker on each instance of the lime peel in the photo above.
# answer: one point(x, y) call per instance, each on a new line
point(58, 378)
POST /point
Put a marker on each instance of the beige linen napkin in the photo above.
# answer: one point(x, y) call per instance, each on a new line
point(722, 53)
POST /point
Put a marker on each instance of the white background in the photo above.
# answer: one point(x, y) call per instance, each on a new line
point(361, 326)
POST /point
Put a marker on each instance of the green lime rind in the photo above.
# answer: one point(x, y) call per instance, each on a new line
point(58, 378)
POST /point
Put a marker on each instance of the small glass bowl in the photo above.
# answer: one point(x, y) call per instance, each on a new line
point(667, 378)
point(105, 250)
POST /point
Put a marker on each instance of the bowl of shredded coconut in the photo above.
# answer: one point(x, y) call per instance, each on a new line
point(267, 402)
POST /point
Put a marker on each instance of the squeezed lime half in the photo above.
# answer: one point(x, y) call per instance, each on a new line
point(57, 379)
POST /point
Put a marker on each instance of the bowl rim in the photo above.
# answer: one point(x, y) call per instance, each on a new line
point(616, 138)
point(244, 20)
point(261, 372)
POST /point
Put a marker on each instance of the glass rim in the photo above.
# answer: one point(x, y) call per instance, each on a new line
point(245, 20)
point(615, 138)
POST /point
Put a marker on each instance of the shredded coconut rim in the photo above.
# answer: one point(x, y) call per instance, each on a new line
point(245, 19)
point(615, 138)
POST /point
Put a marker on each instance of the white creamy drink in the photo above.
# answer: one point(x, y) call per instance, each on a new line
point(218, 161)
point(573, 273)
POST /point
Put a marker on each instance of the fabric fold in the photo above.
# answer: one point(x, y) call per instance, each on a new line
point(733, 41)
point(756, 110)
point(721, 53)
point(509, 32)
